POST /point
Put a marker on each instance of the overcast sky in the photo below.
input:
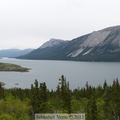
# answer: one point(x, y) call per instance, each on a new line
point(30, 23)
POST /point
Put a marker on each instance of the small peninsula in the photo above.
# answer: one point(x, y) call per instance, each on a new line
point(12, 67)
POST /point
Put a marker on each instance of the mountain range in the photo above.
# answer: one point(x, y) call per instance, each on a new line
point(14, 52)
point(102, 45)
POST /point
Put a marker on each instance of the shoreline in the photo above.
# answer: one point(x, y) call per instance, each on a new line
point(12, 67)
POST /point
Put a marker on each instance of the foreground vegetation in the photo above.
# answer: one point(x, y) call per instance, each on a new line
point(98, 103)
point(12, 67)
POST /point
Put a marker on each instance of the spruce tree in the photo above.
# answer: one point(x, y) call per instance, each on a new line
point(65, 94)
point(1, 91)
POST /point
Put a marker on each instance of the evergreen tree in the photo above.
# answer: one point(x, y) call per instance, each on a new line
point(35, 97)
point(92, 109)
point(39, 97)
point(112, 101)
point(43, 98)
point(65, 94)
point(1, 91)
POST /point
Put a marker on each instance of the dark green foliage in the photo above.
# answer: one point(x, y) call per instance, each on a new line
point(93, 108)
point(98, 103)
point(1, 91)
point(65, 94)
point(39, 97)
point(112, 101)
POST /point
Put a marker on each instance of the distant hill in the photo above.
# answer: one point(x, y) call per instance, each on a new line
point(14, 52)
point(102, 45)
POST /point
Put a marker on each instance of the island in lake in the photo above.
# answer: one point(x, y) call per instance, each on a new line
point(12, 67)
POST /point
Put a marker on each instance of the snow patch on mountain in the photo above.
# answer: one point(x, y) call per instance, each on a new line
point(52, 42)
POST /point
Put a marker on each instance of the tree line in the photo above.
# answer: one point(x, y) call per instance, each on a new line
point(98, 103)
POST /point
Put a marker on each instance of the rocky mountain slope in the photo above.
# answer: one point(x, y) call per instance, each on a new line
point(102, 45)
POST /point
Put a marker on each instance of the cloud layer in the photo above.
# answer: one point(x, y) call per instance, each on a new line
point(29, 23)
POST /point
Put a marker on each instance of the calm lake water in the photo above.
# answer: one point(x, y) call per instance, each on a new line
point(77, 73)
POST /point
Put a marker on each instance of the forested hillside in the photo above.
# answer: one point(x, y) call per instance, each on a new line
point(98, 103)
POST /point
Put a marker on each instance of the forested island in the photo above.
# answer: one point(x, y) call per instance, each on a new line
point(98, 103)
point(12, 67)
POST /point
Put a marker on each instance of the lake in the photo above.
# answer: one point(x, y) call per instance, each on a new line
point(49, 71)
